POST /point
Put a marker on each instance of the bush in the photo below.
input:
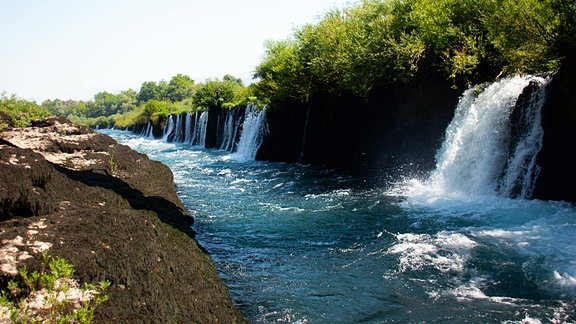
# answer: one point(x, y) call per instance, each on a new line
point(51, 295)
point(18, 112)
point(385, 41)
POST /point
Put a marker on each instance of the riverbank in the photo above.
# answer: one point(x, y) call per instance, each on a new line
point(114, 214)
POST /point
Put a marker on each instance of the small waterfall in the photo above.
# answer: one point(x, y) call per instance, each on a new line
point(230, 131)
point(188, 128)
point(149, 131)
point(168, 128)
point(178, 129)
point(254, 129)
point(199, 132)
point(481, 153)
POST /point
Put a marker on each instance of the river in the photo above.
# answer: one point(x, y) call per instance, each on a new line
point(301, 244)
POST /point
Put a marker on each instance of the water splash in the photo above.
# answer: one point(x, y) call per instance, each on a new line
point(482, 154)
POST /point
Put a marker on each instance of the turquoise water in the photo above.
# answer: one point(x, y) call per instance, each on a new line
point(298, 244)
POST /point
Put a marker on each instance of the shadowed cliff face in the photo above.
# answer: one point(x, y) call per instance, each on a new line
point(397, 129)
point(557, 159)
point(115, 215)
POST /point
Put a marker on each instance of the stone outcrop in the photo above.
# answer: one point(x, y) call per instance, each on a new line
point(114, 214)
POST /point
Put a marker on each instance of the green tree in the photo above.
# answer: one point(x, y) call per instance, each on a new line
point(282, 73)
point(219, 94)
point(152, 91)
point(126, 101)
point(233, 79)
point(180, 87)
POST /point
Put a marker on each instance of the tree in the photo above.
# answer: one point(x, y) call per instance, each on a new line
point(379, 42)
point(233, 79)
point(282, 73)
point(180, 87)
point(218, 94)
point(152, 91)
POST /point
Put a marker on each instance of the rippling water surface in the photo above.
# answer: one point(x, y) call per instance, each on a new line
point(297, 244)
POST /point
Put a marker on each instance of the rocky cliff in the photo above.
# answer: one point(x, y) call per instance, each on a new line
point(114, 214)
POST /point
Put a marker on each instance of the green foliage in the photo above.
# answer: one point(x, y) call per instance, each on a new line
point(180, 87)
point(154, 101)
point(152, 91)
point(18, 112)
point(385, 41)
point(219, 94)
point(62, 300)
point(282, 72)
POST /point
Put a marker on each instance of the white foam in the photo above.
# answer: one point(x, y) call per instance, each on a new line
point(445, 251)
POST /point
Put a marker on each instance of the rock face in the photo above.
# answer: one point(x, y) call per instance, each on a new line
point(397, 126)
point(557, 158)
point(114, 214)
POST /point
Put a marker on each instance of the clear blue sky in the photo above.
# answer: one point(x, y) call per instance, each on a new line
point(72, 49)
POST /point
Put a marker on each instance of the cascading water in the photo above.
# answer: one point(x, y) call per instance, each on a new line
point(168, 128)
point(193, 131)
point(479, 156)
point(178, 131)
point(199, 138)
point(188, 127)
point(230, 131)
point(149, 131)
point(254, 129)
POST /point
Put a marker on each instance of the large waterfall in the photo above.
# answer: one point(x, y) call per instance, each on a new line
point(239, 131)
point(490, 146)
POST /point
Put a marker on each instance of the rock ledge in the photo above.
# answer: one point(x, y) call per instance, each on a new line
point(115, 215)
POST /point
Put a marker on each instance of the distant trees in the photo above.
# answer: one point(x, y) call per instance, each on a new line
point(151, 90)
point(153, 101)
point(179, 88)
point(18, 112)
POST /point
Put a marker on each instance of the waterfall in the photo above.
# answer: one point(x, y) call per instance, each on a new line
point(199, 131)
point(192, 128)
point(168, 128)
point(188, 132)
point(254, 129)
point(482, 154)
point(178, 131)
point(149, 131)
point(230, 131)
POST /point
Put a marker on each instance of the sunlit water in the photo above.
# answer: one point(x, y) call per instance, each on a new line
point(297, 244)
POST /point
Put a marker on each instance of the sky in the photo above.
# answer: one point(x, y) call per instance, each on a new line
point(71, 49)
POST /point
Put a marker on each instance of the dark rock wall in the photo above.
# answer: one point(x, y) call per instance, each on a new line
point(398, 126)
point(557, 179)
